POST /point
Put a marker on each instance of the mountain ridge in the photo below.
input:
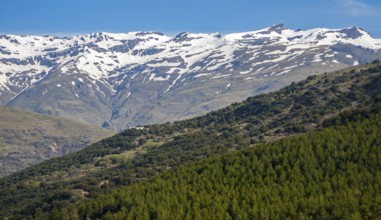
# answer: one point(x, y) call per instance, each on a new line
point(129, 79)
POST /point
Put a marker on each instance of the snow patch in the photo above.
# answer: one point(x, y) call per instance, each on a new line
point(221, 76)
point(283, 72)
point(163, 64)
point(244, 72)
point(128, 95)
point(158, 78)
point(201, 75)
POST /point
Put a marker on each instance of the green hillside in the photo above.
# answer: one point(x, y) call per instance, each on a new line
point(334, 173)
point(140, 153)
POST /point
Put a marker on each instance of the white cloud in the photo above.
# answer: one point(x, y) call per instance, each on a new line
point(356, 8)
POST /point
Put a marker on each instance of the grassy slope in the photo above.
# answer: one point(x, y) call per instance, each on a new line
point(28, 138)
point(135, 154)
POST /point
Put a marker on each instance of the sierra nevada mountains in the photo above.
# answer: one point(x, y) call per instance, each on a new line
point(127, 79)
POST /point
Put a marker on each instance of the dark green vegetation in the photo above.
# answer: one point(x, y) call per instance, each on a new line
point(138, 154)
point(28, 138)
point(334, 173)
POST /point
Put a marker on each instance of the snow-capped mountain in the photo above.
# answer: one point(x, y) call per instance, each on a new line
point(126, 79)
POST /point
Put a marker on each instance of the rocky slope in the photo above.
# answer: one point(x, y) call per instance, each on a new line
point(28, 138)
point(127, 79)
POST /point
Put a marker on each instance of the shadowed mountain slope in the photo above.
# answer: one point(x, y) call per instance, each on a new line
point(28, 138)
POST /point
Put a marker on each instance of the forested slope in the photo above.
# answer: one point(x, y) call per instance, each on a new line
point(334, 173)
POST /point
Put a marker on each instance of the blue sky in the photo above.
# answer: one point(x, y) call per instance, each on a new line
point(70, 17)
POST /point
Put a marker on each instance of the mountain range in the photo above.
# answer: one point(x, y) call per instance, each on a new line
point(120, 80)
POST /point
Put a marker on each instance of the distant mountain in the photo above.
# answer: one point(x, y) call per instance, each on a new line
point(58, 185)
point(127, 79)
point(27, 138)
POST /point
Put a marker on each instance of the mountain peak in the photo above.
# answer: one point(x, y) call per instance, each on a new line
point(187, 36)
point(353, 32)
point(183, 36)
point(277, 28)
point(144, 33)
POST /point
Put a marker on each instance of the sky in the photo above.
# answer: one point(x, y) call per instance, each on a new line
point(73, 17)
